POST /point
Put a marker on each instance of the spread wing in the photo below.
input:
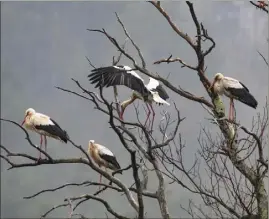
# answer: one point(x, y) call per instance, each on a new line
point(118, 75)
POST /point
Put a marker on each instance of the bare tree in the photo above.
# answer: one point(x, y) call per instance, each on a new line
point(235, 162)
point(262, 5)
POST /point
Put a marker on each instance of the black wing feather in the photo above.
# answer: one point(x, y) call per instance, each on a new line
point(111, 76)
point(55, 130)
point(112, 160)
point(244, 96)
point(244, 86)
point(161, 91)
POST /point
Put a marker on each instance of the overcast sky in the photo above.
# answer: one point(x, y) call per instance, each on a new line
point(44, 44)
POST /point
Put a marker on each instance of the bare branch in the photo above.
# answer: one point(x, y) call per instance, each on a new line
point(105, 203)
point(179, 120)
point(169, 60)
point(134, 44)
point(164, 81)
point(58, 188)
point(172, 24)
point(264, 59)
point(28, 137)
point(260, 6)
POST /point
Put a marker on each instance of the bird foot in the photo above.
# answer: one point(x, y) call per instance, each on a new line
point(100, 188)
point(150, 131)
point(38, 160)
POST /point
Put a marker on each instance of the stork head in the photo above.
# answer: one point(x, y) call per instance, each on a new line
point(125, 103)
point(217, 77)
point(28, 112)
point(91, 146)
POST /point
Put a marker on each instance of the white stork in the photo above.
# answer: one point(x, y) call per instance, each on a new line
point(45, 126)
point(103, 157)
point(262, 4)
point(233, 89)
point(124, 75)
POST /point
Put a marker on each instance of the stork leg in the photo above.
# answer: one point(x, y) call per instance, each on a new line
point(100, 181)
point(233, 112)
point(153, 116)
point(105, 169)
point(45, 143)
point(121, 114)
point(100, 178)
point(148, 114)
point(40, 147)
point(230, 109)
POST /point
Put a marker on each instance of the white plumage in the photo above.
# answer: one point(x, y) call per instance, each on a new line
point(43, 125)
point(102, 149)
point(153, 83)
point(124, 75)
point(233, 89)
point(37, 119)
point(103, 157)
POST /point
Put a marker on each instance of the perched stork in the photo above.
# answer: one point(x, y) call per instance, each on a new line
point(262, 4)
point(103, 157)
point(124, 75)
point(45, 126)
point(233, 89)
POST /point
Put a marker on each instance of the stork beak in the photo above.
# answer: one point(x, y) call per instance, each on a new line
point(122, 108)
point(23, 121)
point(212, 85)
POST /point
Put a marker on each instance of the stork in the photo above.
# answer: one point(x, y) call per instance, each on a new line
point(103, 157)
point(262, 4)
point(44, 126)
point(233, 89)
point(124, 75)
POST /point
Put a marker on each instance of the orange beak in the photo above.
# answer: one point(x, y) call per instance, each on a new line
point(122, 108)
point(23, 121)
point(212, 85)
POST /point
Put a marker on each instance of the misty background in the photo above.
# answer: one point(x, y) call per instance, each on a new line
point(44, 44)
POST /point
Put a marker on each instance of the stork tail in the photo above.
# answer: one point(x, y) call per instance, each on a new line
point(249, 100)
point(159, 100)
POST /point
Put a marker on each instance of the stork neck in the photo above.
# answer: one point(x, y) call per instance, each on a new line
point(129, 101)
point(90, 149)
point(218, 87)
point(28, 119)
